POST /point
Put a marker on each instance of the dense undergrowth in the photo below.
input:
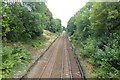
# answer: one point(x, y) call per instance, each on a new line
point(14, 58)
point(95, 31)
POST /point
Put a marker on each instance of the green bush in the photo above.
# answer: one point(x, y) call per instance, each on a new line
point(13, 58)
point(106, 61)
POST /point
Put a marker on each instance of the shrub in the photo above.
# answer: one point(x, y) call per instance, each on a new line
point(13, 58)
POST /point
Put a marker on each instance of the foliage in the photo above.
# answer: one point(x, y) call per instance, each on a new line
point(56, 25)
point(36, 43)
point(26, 21)
point(71, 27)
point(97, 34)
point(106, 17)
point(63, 28)
point(13, 58)
point(44, 13)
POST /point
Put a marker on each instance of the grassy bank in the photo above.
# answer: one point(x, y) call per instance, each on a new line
point(17, 57)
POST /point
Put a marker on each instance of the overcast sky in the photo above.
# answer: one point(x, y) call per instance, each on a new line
point(64, 9)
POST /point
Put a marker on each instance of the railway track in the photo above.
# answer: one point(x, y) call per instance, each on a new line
point(58, 61)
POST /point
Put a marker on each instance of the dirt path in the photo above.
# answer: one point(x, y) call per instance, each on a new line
point(57, 62)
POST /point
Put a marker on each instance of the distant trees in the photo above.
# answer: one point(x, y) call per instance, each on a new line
point(26, 21)
point(71, 27)
point(63, 28)
point(96, 30)
point(55, 25)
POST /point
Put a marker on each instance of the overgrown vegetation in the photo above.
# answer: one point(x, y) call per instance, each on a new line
point(27, 20)
point(95, 29)
point(23, 22)
point(13, 58)
point(56, 25)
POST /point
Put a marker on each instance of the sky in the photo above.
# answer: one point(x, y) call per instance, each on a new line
point(64, 9)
